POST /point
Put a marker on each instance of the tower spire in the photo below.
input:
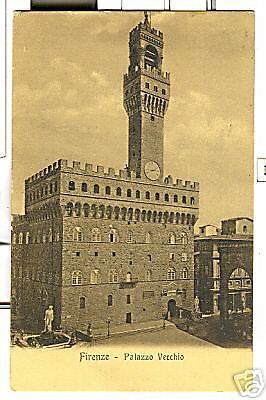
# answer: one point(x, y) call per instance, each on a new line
point(147, 18)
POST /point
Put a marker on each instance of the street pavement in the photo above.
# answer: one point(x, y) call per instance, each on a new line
point(170, 335)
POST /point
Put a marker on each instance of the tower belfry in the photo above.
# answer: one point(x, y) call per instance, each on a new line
point(146, 97)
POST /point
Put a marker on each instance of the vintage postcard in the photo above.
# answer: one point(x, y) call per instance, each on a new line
point(132, 225)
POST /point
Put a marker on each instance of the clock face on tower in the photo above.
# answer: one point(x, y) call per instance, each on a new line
point(152, 170)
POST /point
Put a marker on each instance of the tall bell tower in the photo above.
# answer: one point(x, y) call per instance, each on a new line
point(146, 98)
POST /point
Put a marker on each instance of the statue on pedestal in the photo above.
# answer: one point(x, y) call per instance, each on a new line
point(48, 319)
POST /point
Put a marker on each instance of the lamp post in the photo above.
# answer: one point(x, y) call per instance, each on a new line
point(108, 327)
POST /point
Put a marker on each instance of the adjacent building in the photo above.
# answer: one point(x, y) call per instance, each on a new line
point(103, 245)
point(224, 254)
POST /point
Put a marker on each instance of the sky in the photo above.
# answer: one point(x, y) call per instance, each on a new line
point(68, 99)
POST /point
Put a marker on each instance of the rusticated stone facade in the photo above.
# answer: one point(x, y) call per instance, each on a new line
point(101, 244)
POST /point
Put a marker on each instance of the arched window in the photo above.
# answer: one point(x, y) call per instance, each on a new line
point(107, 190)
point(175, 198)
point(148, 237)
point(113, 236)
point(116, 212)
point(137, 214)
point(96, 188)
point(157, 196)
point(149, 215)
point(113, 276)
point(184, 199)
point(95, 276)
point(14, 239)
point(192, 201)
point(147, 195)
point(128, 192)
point(51, 188)
point(69, 209)
point(77, 209)
point(71, 185)
point(184, 239)
point(151, 57)
point(86, 210)
point(96, 235)
point(46, 190)
point(129, 277)
point(148, 275)
point(109, 212)
point(77, 234)
point(84, 187)
point(245, 229)
point(82, 302)
point(55, 186)
point(172, 238)
point(20, 238)
point(76, 278)
point(129, 238)
point(183, 218)
point(166, 197)
point(184, 273)
point(118, 191)
point(110, 300)
point(171, 274)
point(137, 194)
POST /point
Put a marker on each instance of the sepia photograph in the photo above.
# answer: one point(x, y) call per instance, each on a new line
point(132, 188)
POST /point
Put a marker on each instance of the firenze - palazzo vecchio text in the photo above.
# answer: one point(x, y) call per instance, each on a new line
point(101, 245)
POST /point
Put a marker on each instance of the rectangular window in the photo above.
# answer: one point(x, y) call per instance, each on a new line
point(113, 254)
point(147, 85)
point(156, 88)
point(77, 253)
point(172, 256)
point(149, 257)
point(152, 118)
point(128, 299)
point(163, 91)
point(96, 253)
point(128, 318)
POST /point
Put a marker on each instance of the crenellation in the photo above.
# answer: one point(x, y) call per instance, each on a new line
point(76, 165)
point(100, 169)
point(111, 172)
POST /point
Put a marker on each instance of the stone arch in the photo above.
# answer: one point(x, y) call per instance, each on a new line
point(102, 211)
point(143, 215)
point(123, 213)
point(137, 214)
point(165, 217)
point(116, 212)
point(130, 214)
point(109, 212)
point(86, 210)
point(94, 210)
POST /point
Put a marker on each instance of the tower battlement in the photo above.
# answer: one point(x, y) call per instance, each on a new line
point(77, 167)
point(142, 28)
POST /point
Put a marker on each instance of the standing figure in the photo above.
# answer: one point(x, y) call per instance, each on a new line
point(197, 305)
point(48, 319)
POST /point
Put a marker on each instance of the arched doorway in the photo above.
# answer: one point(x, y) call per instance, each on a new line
point(239, 290)
point(172, 307)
